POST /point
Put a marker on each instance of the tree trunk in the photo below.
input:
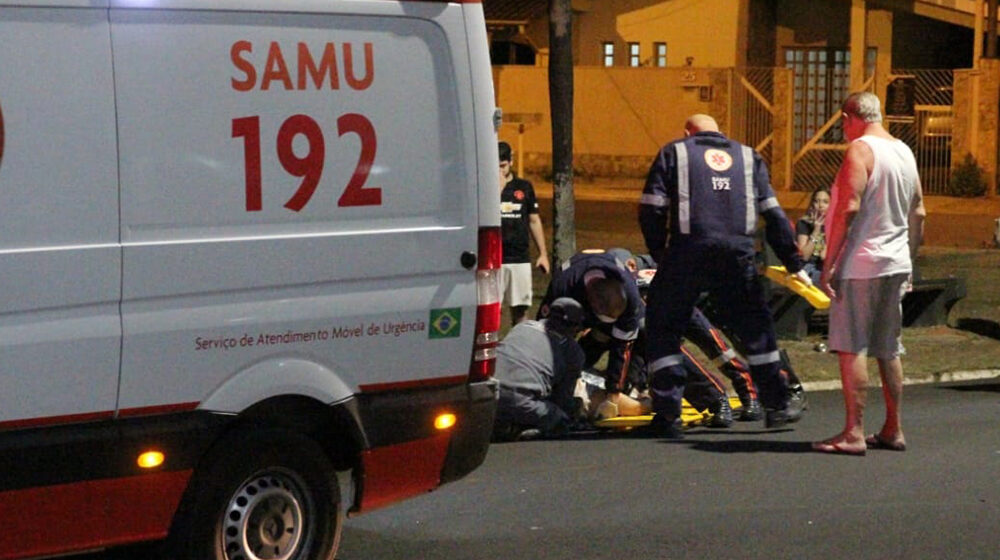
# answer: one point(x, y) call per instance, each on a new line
point(991, 29)
point(561, 108)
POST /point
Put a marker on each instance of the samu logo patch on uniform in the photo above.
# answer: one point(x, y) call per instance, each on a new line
point(718, 159)
point(445, 323)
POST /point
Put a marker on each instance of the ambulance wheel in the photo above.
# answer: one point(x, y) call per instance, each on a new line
point(268, 495)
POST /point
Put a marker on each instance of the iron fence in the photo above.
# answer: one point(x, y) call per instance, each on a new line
point(816, 159)
point(752, 99)
point(929, 131)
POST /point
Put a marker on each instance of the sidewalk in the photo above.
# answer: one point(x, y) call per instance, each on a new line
point(875, 381)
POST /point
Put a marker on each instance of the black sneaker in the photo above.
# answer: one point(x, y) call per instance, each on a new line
point(505, 432)
point(723, 416)
point(661, 427)
point(797, 395)
point(777, 418)
point(751, 411)
point(529, 434)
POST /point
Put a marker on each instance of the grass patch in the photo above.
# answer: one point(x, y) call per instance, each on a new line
point(970, 340)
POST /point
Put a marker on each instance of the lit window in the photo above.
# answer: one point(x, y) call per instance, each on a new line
point(661, 54)
point(608, 50)
point(633, 55)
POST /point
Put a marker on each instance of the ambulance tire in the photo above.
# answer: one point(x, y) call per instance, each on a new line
point(264, 494)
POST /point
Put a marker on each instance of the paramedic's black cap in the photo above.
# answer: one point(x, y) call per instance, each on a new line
point(504, 149)
point(567, 312)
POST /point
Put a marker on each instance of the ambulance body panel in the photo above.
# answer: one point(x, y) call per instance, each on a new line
point(397, 243)
point(240, 226)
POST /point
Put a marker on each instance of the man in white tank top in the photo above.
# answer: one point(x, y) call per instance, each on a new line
point(873, 230)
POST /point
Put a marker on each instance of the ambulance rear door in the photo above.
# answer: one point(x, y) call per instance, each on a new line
point(60, 264)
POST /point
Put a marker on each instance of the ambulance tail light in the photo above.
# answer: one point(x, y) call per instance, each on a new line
point(488, 305)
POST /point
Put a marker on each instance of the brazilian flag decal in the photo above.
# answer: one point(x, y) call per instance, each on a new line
point(445, 323)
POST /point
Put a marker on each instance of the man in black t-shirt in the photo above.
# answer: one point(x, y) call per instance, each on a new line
point(519, 221)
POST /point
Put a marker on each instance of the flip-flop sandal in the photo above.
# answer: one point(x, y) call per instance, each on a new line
point(875, 441)
point(836, 448)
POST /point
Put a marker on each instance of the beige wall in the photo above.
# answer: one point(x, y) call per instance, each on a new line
point(975, 128)
point(879, 35)
point(708, 30)
point(704, 29)
point(622, 116)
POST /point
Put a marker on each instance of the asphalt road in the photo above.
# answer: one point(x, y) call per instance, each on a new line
point(743, 493)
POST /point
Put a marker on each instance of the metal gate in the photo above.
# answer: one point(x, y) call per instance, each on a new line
point(821, 83)
point(753, 95)
point(819, 152)
point(929, 131)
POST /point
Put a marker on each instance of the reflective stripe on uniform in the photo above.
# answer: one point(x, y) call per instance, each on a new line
point(656, 200)
point(624, 335)
point(665, 362)
point(751, 190)
point(593, 274)
point(724, 357)
point(761, 359)
point(767, 204)
point(683, 190)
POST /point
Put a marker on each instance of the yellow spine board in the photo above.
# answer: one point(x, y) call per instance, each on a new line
point(811, 293)
point(688, 415)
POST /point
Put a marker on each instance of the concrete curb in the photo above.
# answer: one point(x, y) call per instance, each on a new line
point(949, 377)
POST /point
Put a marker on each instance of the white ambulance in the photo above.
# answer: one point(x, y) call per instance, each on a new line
point(248, 268)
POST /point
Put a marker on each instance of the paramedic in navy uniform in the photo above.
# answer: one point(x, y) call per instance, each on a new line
point(612, 306)
point(698, 215)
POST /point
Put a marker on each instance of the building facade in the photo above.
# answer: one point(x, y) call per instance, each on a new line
point(773, 72)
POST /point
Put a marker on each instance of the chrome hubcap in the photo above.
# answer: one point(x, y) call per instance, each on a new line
point(264, 519)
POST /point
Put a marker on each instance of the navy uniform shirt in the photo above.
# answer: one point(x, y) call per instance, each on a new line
point(707, 187)
point(571, 282)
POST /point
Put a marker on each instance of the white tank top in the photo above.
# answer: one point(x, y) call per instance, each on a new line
point(878, 241)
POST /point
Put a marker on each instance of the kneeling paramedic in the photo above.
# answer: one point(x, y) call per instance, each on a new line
point(538, 363)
